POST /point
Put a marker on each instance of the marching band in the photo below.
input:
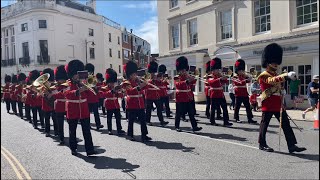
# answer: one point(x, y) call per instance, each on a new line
point(73, 92)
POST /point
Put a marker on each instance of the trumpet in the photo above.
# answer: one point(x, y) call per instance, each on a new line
point(143, 80)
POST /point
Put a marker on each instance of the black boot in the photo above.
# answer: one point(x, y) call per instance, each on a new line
point(265, 148)
point(295, 148)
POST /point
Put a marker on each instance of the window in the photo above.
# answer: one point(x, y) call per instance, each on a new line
point(70, 51)
point(92, 55)
point(7, 52)
point(173, 3)
point(175, 36)
point(111, 66)
point(44, 50)
point(12, 31)
point(287, 83)
point(125, 38)
point(119, 68)
point(135, 40)
point(119, 54)
point(25, 49)
point(110, 52)
point(24, 27)
point(126, 54)
point(262, 15)
point(42, 24)
point(118, 40)
point(70, 28)
point(90, 32)
point(307, 11)
point(13, 51)
point(226, 25)
point(109, 37)
point(193, 34)
point(6, 33)
point(304, 74)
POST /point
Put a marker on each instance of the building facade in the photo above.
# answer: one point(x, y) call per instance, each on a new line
point(201, 30)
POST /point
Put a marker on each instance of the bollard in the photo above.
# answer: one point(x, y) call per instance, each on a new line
point(316, 119)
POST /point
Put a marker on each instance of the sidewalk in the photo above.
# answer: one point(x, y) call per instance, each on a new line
point(294, 114)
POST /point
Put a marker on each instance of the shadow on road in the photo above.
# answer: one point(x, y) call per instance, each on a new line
point(171, 145)
point(252, 129)
point(222, 136)
point(312, 157)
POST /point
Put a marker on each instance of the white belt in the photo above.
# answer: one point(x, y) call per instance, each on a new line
point(153, 89)
point(162, 87)
point(61, 100)
point(240, 86)
point(77, 101)
point(134, 96)
point(219, 88)
point(276, 94)
point(183, 90)
point(114, 98)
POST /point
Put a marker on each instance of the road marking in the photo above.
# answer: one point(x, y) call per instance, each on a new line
point(12, 165)
point(26, 174)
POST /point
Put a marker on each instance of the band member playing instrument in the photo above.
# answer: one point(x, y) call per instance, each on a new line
point(28, 98)
point(93, 99)
point(19, 92)
point(77, 108)
point(206, 90)
point(217, 96)
point(100, 83)
point(36, 101)
point(6, 92)
point(164, 97)
point(152, 95)
point(111, 102)
point(184, 96)
point(13, 97)
point(239, 82)
point(134, 100)
point(270, 84)
point(61, 76)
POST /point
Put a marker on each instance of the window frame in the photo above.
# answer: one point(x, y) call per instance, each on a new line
point(119, 40)
point(229, 24)
point(311, 12)
point(125, 50)
point(110, 52)
point(171, 5)
point(24, 28)
point(119, 54)
point(261, 16)
point(191, 34)
point(120, 68)
point(109, 37)
point(172, 38)
point(303, 84)
point(39, 24)
point(91, 32)
point(92, 55)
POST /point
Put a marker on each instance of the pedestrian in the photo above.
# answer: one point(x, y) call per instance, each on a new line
point(295, 90)
point(231, 95)
point(313, 95)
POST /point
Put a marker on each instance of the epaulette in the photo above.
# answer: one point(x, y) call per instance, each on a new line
point(264, 73)
point(176, 77)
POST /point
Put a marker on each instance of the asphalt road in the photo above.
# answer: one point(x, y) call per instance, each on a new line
point(213, 153)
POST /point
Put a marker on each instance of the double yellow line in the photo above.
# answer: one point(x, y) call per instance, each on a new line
point(15, 164)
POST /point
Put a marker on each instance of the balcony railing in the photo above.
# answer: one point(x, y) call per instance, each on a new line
point(8, 62)
point(42, 60)
point(4, 63)
point(12, 62)
point(24, 61)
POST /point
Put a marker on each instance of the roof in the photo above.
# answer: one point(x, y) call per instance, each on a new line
point(75, 5)
point(185, 53)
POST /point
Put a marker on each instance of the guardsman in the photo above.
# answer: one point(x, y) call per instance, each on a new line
point(152, 95)
point(77, 108)
point(270, 84)
point(48, 105)
point(36, 102)
point(239, 82)
point(134, 100)
point(206, 90)
point(184, 97)
point(6, 92)
point(217, 96)
point(93, 99)
point(28, 99)
point(19, 92)
point(111, 102)
point(60, 76)
point(164, 97)
point(13, 97)
point(100, 83)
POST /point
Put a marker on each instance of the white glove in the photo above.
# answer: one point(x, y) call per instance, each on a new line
point(292, 75)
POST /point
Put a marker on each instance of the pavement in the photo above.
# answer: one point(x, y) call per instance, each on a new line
point(216, 152)
point(294, 114)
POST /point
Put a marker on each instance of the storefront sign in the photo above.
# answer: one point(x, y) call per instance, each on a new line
point(285, 49)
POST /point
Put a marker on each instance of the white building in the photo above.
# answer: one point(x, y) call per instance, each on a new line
point(197, 29)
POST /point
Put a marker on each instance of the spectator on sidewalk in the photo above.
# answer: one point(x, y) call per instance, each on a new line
point(255, 87)
point(295, 90)
point(313, 95)
point(231, 94)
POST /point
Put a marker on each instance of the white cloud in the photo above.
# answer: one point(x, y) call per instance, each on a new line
point(152, 5)
point(149, 32)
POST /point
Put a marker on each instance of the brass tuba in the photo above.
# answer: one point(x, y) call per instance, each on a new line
point(42, 81)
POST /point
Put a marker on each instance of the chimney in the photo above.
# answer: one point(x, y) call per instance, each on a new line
point(92, 4)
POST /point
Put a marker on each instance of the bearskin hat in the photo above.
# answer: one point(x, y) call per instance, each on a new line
point(7, 79)
point(129, 68)
point(60, 73)
point(240, 65)
point(182, 63)
point(33, 75)
point(272, 54)
point(208, 67)
point(89, 67)
point(152, 67)
point(111, 76)
point(215, 63)
point(162, 69)
point(99, 76)
point(14, 79)
point(49, 71)
point(73, 67)
point(22, 77)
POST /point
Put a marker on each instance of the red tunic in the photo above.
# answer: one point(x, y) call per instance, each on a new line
point(240, 86)
point(45, 106)
point(92, 98)
point(29, 99)
point(183, 90)
point(76, 106)
point(111, 99)
point(163, 89)
point(151, 93)
point(60, 100)
point(13, 96)
point(100, 91)
point(134, 98)
point(216, 87)
point(6, 91)
point(18, 93)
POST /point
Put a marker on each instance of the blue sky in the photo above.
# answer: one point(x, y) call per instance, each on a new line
point(141, 16)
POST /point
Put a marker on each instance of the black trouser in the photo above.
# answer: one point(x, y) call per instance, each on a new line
point(123, 105)
point(60, 122)
point(117, 115)
point(47, 115)
point(85, 124)
point(232, 97)
point(27, 109)
point(139, 114)
point(288, 132)
point(93, 107)
point(14, 106)
point(165, 102)
point(193, 103)
point(216, 103)
point(246, 103)
point(149, 109)
point(20, 105)
point(34, 116)
point(181, 109)
point(8, 102)
point(101, 101)
point(208, 103)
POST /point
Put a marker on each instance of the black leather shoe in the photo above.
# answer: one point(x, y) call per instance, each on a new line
point(61, 142)
point(214, 124)
point(93, 152)
point(47, 135)
point(35, 127)
point(197, 129)
point(146, 138)
point(184, 120)
point(178, 129)
point(169, 116)
point(295, 148)
point(266, 148)
point(74, 152)
point(252, 122)
point(121, 132)
point(110, 133)
point(238, 121)
point(132, 139)
point(99, 127)
point(227, 124)
point(149, 123)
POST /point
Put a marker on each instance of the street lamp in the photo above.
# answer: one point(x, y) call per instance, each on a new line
point(131, 45)
point(92, 43)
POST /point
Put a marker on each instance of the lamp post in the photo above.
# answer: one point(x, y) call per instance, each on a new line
point(92, 43)
point(131, 45)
